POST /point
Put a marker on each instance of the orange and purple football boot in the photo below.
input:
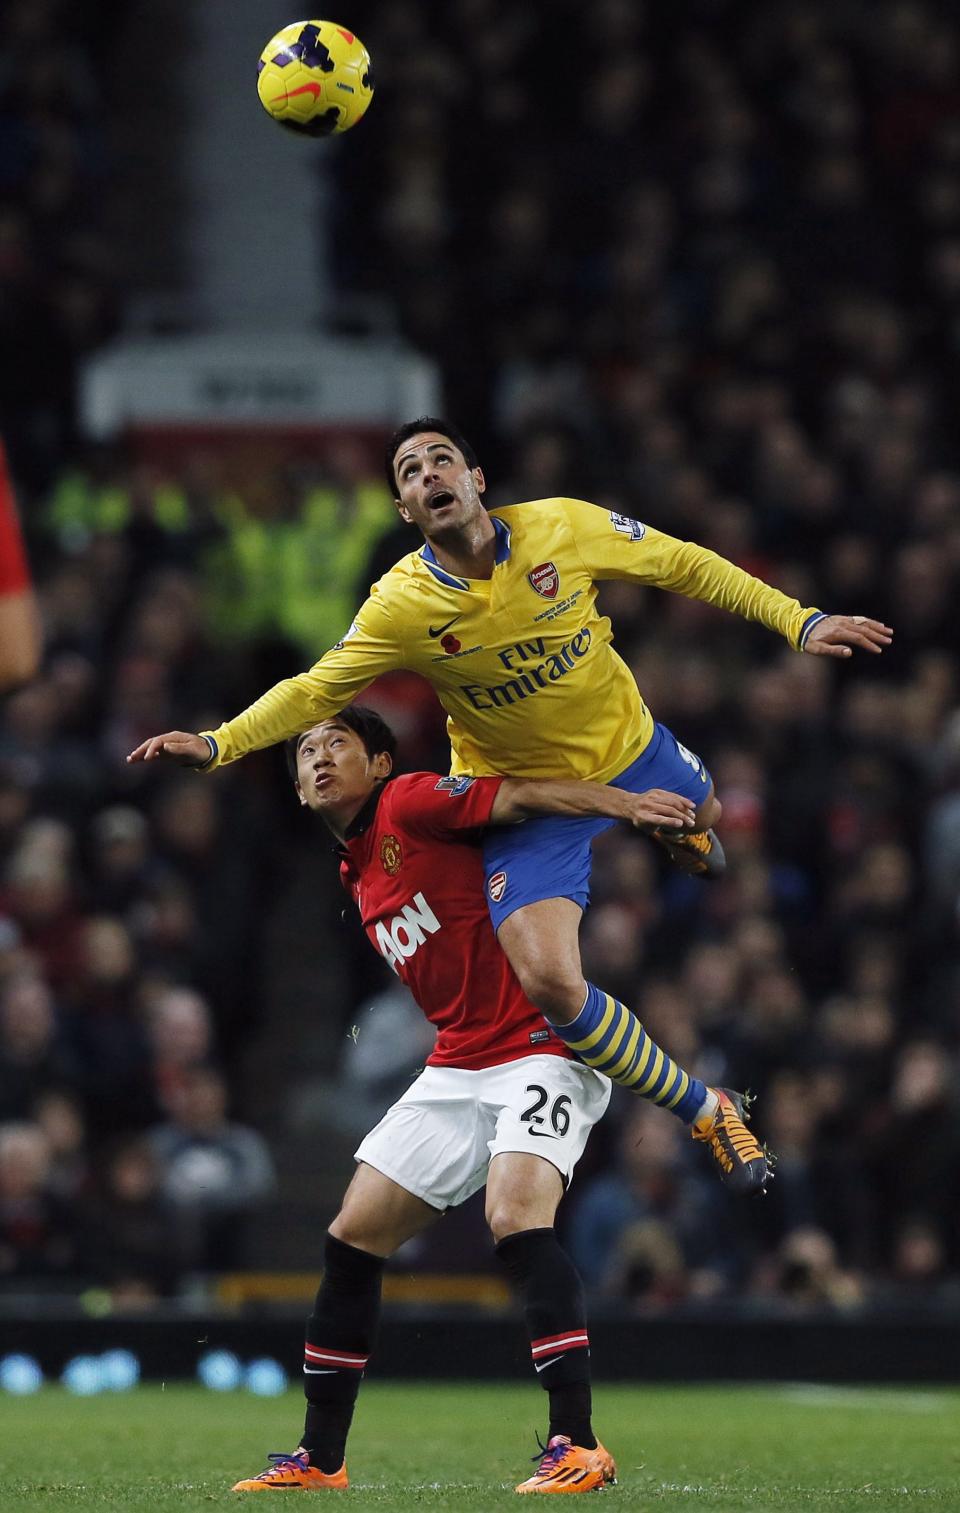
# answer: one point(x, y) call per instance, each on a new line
point(294, 1473)
point(565, 1467)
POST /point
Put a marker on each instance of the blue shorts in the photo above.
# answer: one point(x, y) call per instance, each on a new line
point(551, 857)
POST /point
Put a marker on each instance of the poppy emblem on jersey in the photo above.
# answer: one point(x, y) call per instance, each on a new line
point(451, 645)
point(497, 886)
point(391, 857)
point(545, 579)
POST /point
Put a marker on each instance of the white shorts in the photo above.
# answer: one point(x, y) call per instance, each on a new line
point(438, 1140)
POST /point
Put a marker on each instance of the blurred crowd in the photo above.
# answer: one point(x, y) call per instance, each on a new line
point(701, 265)
point(60, 281)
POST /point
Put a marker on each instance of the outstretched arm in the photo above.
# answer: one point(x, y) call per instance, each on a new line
point(614, 546)
point(369, 648)
point(523, 798)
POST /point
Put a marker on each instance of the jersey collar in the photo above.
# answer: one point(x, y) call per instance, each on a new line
point(502, 533)
point(361, 821)
point(503, 539)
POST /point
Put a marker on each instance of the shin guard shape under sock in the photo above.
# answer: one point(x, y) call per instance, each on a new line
point(341, 1333)
point(551, 1292)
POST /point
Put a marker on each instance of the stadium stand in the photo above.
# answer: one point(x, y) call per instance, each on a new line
point(712, 281)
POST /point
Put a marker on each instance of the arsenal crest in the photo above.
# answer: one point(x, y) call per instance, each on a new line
point(545, 579)
point(391, 857)
point(497, 886)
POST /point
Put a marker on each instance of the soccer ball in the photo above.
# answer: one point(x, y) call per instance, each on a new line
point(314, 77)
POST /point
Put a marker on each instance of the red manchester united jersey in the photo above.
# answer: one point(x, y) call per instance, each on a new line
point(416, 874)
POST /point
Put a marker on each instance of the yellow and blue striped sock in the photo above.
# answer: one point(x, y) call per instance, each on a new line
point(607, 1036)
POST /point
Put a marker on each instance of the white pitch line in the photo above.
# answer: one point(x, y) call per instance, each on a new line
point(878, 1399)
point(820, 1493)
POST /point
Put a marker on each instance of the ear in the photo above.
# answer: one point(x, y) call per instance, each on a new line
point(479, 480)
point(403, 512)
point(382, 765)
point(303, 802)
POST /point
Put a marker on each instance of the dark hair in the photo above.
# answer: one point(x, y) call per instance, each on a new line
point(374, 732)
point(413, 428)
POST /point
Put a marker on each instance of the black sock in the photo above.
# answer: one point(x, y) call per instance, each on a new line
point(341, 1333)
point(552, 1296)
point(570, 1406)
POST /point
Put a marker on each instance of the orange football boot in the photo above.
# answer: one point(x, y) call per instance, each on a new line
point(294, 1473)
point(699, 853)
point(565, 1467)
point(744, 1164)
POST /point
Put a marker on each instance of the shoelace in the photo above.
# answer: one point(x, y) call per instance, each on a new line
point(744, 1144)
point(721, 1154)
point(550, 1456)
point(699, 841)
point(299, 1462)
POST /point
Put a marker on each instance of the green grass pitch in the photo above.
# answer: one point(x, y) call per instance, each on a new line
point(464, 1446)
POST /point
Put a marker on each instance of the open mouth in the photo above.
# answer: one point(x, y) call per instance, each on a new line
point(442, 498)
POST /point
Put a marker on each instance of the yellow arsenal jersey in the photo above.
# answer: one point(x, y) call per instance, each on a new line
point(522, 662)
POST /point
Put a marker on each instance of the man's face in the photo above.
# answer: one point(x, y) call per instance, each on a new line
point(334, 772)
point(438, 491)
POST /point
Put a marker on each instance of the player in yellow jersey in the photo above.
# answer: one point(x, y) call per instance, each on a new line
point(498, 612)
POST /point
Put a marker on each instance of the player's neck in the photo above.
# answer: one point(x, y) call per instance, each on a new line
point(469, 551)
point(338, 821)
point(341, 820)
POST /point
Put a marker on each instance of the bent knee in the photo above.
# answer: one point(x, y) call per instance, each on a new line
point(351, 1229)
point(343, 1228)
point(556, 993)
point(509, 1217)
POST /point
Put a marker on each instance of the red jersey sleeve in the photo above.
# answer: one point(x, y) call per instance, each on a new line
point(14, 574)
point(427, 803)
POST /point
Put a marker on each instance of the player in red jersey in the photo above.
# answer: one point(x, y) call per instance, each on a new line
point(502, 1101)
point(19, 620)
